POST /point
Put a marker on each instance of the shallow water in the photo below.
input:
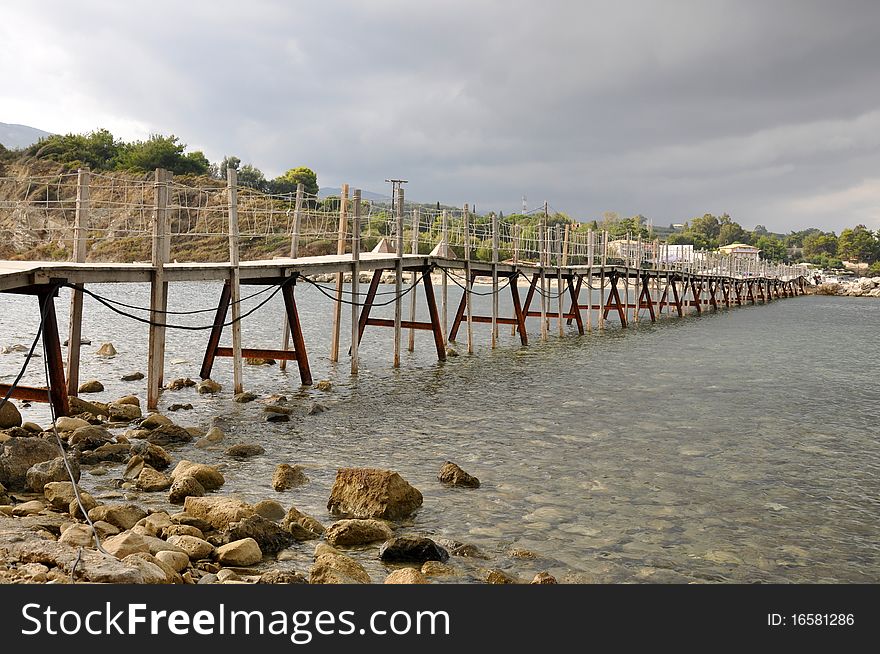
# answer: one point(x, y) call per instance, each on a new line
point(740, 446)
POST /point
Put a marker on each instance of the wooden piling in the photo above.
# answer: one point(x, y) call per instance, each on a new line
point(340, 250)
point(80, 242)
point(542, 262)
point(468, 279)
point(444, 296)
point(158, 290)
point(294, 252)
point(355, 277)
point(398, 278)
point(414, 279)
point(234, 277)
point(495, 227)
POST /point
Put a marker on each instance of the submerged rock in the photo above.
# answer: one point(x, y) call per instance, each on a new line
point(270, 509)
point(544, 578)
point(354, 532)
point(208, 386)
point(133, 376)
point(183, 488)
point(180, 407)
point(277, 417)
point(372, 493)
point(302, 526)
point(177, 384)
point(453, 475)
point(334, 567)
point(287, 476)
point(208, 476)
point(245, 450)
point(106, 350)
point(412, 549)
point(270, 536)
point(244, 398)
point(91, 386)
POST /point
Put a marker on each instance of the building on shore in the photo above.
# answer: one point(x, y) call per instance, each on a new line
point(740, 251)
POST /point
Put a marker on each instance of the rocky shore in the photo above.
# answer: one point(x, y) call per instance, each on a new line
point(864, 287)
point(54, 531)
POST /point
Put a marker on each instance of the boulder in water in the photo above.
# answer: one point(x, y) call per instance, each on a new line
point(372, 493)
point(106, 350)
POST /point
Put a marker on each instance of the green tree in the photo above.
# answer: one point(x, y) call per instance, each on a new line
point(707, 226)
point(252, 177)
point(97, 149)
point(294, 176)
point(161, 152)
point(730, 232)
point(772, 249)
point(818, 243)
point(858, 244)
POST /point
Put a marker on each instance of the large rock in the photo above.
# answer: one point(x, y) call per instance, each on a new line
point(64, 423)
point(172, 576)
point(302, 526)
point(334, 567)
point(17, 457)
point(196, 548)
point(406, 576)
point(78, 406)
point(152, 573)
point(287, 476)
point(168, 435)
point(133, 376)
point(217, 511)
point(245, 450)
point(108, 452)
point(451, 474)
point(354, 533)
point(151, 480)
point(412, 549)
point(123, 411)
point(78, 536)
point(244, 552)
point(208, 476)
point(156, 456)
point(183, 488)
point(9, 415)
point(126, 543)
point(176, 560)
point(91, 565)
point(154, 523)
point(182, 530)
point(124, 516)
point(270, 536)
point(106, 350)
point(91, 386)
point(60, 494)
point(270, 509)
point(88, 438)
point(371, 493)
point(155, 420)
point(208, 386)
point(40, 474)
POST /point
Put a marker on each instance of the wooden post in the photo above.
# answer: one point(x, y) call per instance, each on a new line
point(234, 277)
point(604, 250)
point(158, 291)
point(590, 280)
point(445, 278)
point(52, 352)
point(542, 261)
point(398, 282)
point(355, 277)
point(80, 242)
point(468, 279)
point(414, 280)
point(561, 296)
point(340, 250)
point(515, 230)
point(294, 252)
point(495, 226)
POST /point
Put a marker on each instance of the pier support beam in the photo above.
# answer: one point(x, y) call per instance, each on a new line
point(158, 290)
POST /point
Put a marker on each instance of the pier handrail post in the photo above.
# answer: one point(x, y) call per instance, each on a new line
point(542, 261)
point(590, 251)
point(294, 252)
point(468, 282)
point(414, 279)
point(355, 276)
point(234, 277)
point(398, 282)
point(495, 226)
point(80, 242)
point(444, 222)
point(158, 290)
point(340, 250)
point(604, 258)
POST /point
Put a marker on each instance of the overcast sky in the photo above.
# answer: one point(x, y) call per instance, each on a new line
point(768, 110)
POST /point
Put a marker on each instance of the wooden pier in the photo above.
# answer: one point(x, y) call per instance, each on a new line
point(572, 274)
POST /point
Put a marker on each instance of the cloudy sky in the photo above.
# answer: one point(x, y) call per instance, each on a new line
point(768, 110)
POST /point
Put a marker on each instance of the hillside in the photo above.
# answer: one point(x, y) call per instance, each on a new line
point(14, 136)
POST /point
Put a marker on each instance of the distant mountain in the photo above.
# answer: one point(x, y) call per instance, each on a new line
point(365, 195)
point(19, 136)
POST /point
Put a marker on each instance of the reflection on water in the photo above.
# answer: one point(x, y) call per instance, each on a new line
point(739, 446)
